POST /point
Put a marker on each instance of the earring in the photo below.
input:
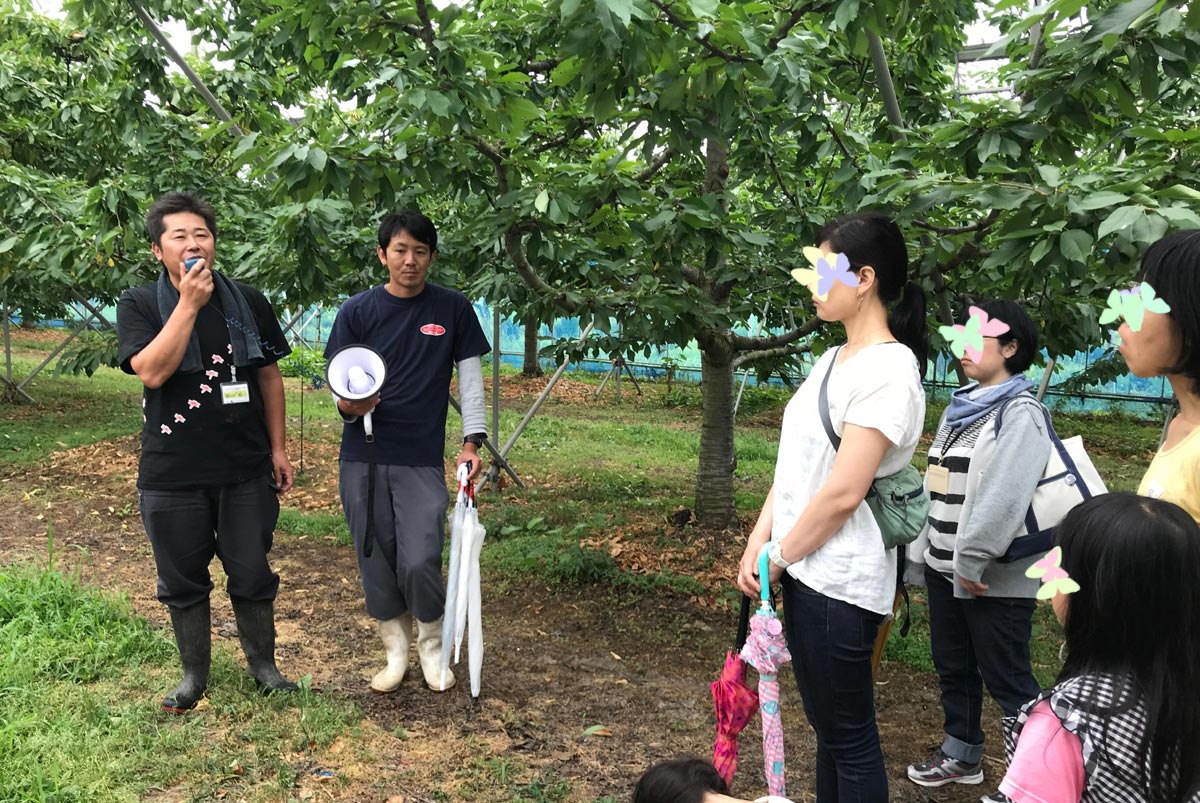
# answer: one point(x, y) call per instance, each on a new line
point(860, 300)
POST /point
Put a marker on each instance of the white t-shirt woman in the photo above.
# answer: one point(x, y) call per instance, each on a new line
point(878, 387)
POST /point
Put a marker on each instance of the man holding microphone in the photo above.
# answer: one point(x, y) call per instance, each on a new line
point(214, 455)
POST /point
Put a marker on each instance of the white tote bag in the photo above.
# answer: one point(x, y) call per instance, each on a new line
point(1069, 478)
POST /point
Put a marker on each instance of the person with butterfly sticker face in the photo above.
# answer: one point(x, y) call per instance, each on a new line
point(981, 479)
point(1122, 722)
point(1160, 336)
point(825, 544)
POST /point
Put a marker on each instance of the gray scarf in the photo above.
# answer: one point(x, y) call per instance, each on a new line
point(243, 331)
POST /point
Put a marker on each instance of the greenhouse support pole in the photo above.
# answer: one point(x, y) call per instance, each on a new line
point(496, 357)
point(545, 394)
point(8, 380)
point(1045, 383)
point(174, 55)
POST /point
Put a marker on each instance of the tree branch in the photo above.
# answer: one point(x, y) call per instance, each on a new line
point(658, 164)
point(980, 227)
point(744, 343)
point(427, 34)
point(545, 65)
point(767, 354)
point(791, 22)
point(703, 40)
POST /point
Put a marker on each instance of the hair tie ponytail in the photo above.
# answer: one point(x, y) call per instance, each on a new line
point(907, 322)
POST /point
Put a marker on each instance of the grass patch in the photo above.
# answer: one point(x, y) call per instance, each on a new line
point(70, 411)
point(314, 525)
point(80, 683)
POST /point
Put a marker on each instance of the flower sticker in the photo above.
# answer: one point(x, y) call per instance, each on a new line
point(217, 359)
point(1132, 305)
point(179, 419)
point(205, 389)
point(820, 277)
point(968, 339)
point(165, 429)
point(193, 404)
point(211, 374)
point(1055, 579)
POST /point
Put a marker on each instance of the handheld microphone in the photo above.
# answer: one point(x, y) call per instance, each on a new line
point(188, 264)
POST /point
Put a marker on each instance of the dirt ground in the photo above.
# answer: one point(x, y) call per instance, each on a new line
point(557, 663)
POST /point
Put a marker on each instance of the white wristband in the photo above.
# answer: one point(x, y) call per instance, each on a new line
point(775, 554)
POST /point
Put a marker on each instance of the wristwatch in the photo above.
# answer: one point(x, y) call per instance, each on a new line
point(775, 554)
point(476, 439)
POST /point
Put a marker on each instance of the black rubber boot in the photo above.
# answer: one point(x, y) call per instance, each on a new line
point(193, 636)
point(256, 631)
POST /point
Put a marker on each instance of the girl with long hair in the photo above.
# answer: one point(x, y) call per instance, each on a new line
point(1122, 724)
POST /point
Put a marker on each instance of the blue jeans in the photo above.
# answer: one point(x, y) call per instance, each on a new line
point(831, 644)
point(977, 641)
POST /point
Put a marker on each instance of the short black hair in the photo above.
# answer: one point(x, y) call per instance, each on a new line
point(411, 221)
point(1021, 328)
point(1172, 267)
point(681, 780)
point(172, 203)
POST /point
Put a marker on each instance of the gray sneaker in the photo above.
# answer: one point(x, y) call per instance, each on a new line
point(941, 770)
point(996, 797)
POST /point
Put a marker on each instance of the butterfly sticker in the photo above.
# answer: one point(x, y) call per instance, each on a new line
point(1132, 305)
point(968, 339)
point(217, 359)
point(179, 419)
point(820, 277)
point(165, 429)
point(205, 389)
point(1055, 579)
point(193, 404)
point(211, 374)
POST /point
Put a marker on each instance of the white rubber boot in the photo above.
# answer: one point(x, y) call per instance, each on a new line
point(429, 649)
point(396, 635)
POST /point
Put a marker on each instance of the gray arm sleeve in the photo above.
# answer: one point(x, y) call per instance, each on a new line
point(470, 396)
point(1006, 486)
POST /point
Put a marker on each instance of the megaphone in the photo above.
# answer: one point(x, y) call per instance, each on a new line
point(355, 373)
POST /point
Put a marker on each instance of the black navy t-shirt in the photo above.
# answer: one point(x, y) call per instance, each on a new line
point(189, 438)
point(420, 339)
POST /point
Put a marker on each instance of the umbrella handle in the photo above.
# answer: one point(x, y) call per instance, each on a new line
point(764, 574)
point(743, 624)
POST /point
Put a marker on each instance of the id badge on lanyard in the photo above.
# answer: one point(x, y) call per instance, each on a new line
point(233, 391)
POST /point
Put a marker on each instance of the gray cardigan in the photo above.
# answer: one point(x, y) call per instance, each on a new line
point(1000, 482)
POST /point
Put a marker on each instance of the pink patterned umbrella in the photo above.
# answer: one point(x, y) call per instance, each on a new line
point(735, 702)
point(766, 650)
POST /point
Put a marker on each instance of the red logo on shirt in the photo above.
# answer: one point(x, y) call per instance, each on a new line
point(433, 329)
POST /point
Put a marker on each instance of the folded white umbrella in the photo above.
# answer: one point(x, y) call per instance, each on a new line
point(457, 517)
point(467, 617)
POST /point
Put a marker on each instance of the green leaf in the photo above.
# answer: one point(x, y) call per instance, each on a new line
point(621, 9)
point(7, 244)
point(1120, 220)
point(439, 104)
point(1181, 215)
point(1050, 174)
point(1100, 200)
point(1180, 192)
point(542, 201)
point(566, 71)
point(317, 158)
point(1119, 19)
point(1075, 245)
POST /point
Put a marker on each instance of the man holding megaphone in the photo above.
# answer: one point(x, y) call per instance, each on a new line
point(391, 354)
point(214, 455)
